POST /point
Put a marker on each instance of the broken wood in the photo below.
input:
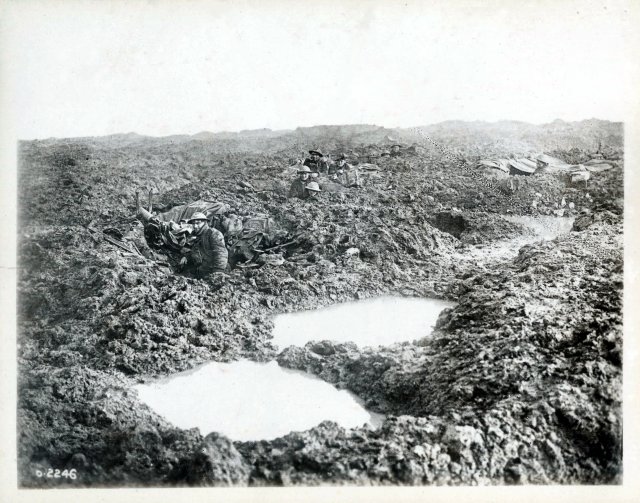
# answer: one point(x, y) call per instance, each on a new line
point(278, 246)
point(119, 245)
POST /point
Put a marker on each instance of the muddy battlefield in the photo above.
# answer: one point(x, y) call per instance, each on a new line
point(351, 305)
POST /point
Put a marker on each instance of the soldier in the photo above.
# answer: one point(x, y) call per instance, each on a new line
point(205, 251)
point(313, 190)
point(340, 163)
point(347, 174)
point(316, 163)
point(297, 187)
point(332, 169)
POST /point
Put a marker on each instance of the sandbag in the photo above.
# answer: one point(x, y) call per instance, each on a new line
point(552, 161)
point(520, 167)
point(597, 165)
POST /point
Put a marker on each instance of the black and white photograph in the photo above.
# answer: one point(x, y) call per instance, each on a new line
point(318, 245)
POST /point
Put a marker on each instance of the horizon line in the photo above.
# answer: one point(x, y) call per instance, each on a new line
point(286, 130)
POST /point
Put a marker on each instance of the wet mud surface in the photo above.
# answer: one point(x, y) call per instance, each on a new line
point(519, 383)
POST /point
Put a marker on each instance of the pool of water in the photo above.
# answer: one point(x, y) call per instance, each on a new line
point(374, 322)
point(245, 400)
point(543, 227)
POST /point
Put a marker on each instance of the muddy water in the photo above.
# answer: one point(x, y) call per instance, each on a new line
point(374, 322)
point(245, 400)
point(542, 228)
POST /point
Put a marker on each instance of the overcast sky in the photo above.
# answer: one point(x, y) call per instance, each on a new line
point(158, 68)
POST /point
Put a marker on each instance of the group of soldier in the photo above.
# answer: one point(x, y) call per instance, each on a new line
point(307, 185)
point(203, 240)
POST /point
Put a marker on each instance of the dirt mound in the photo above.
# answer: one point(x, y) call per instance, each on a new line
point(530, 363)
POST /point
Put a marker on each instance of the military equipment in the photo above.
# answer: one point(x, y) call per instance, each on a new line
point(198, 215)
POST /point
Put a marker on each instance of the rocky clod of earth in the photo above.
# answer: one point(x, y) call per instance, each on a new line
point(519, 383)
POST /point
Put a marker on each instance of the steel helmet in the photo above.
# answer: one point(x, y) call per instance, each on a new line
point(313, 186)
point(198, 215)
point(304, 169)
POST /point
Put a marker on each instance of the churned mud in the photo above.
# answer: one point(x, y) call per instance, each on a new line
point(520, 382)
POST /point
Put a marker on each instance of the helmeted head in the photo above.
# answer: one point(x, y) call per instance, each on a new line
point(313, 189)
point(315, 154)
point(198, 219)
point(304, 172)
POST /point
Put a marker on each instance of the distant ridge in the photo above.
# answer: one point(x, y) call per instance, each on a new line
point(506, 135)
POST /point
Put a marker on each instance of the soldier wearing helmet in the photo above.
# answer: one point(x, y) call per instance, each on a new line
point(317, 163)
point(207, 252)
point(297, 187)
point(346, 174)
point(313, 190)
